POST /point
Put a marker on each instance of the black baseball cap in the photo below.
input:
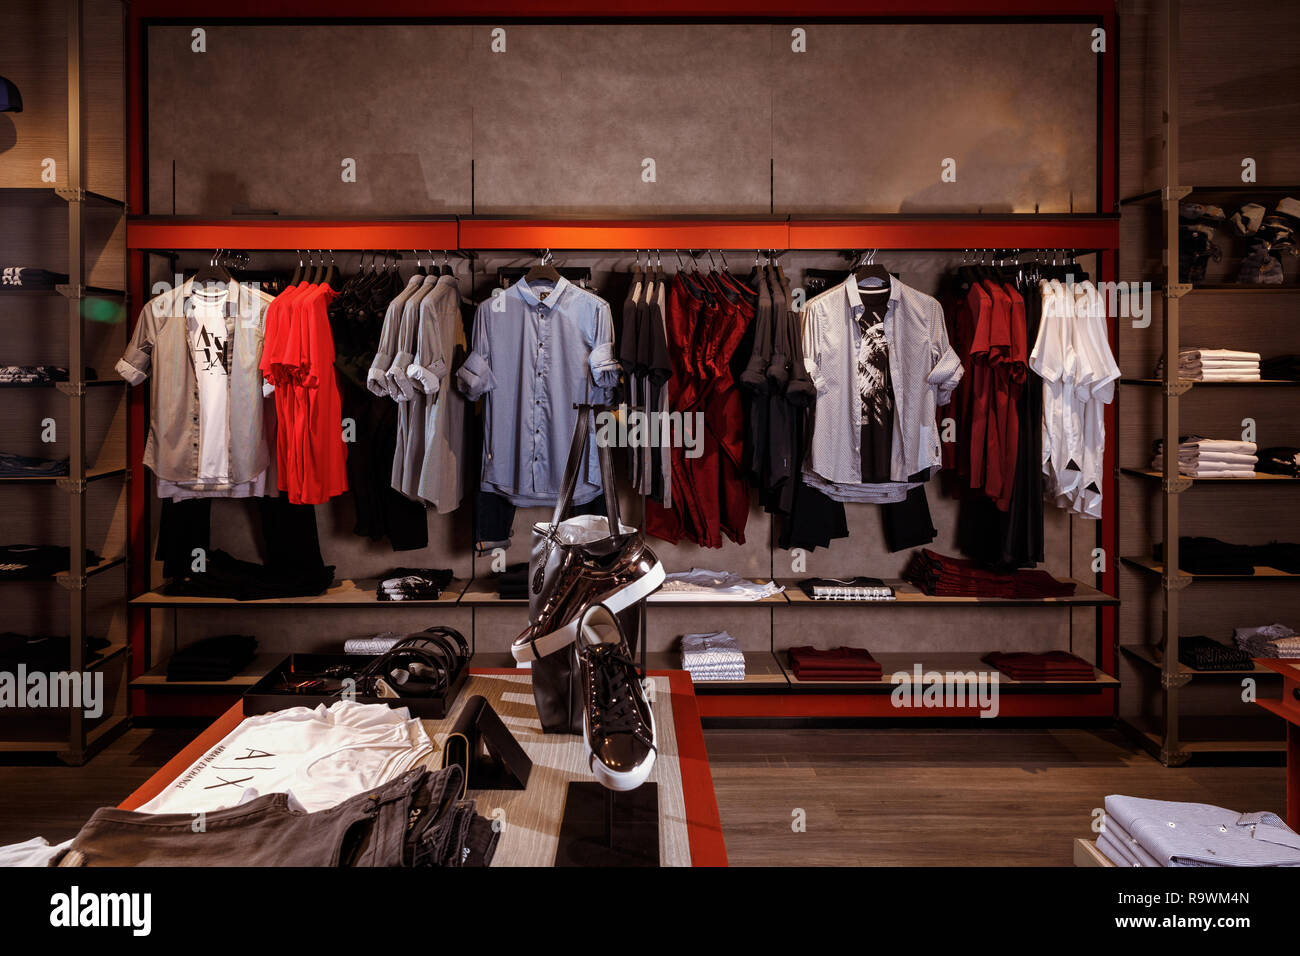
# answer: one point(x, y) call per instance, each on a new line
point(11, 101)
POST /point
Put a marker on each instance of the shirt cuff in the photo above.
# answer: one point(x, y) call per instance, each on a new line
point(429, 379)
point(377, 377)
point(475, 377)
point(267, 388)
point(945, 376)
point(604, 365)
point(400, 388)
point(132, 373)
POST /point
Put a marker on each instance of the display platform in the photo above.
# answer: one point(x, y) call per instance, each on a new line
point(690, 830)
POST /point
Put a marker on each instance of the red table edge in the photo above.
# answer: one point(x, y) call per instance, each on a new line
point(703, 823)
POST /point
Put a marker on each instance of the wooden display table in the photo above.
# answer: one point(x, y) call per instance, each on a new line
point(690, 828)
point(1288, 708)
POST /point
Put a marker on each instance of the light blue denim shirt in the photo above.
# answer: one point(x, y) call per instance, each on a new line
point(1199, 834)
point(536, 351)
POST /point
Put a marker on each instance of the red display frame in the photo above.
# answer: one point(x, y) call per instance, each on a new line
point(1098, 233)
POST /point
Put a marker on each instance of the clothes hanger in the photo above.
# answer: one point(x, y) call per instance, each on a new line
point(331, 271)
point(543, 271)
point(214, 271)
point(871, 269)
point(445, 269)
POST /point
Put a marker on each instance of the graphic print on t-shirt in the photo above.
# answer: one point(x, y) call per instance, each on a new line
point(877, 394)
point(210, 351)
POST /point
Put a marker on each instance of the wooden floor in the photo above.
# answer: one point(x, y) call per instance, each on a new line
point(894, 797)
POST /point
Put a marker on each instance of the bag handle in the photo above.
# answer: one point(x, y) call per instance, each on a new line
point(577, 454)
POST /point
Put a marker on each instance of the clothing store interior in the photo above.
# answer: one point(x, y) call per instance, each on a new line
point(652, 437)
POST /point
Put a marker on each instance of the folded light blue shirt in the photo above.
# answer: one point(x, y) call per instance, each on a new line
point(536, 351)
point(1199, 834)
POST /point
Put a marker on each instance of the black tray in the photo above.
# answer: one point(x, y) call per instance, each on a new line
point(265, 696)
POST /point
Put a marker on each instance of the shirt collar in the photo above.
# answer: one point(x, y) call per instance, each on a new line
point(531, 297)
point(855, 294)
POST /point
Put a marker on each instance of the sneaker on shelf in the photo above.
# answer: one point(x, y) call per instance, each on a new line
point(1261, 267)
point(1246, 220)
point(617, 721)
point(1199, 212)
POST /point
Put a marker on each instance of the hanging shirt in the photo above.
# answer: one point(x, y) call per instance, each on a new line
point(163, 345)
point(923, 371)
point(537, 350)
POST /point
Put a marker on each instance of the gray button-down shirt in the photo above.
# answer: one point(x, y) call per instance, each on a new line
point(923, 368)
point(537, 351)
point(161, 346)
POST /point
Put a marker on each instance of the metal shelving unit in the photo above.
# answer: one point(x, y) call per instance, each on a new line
point(81, 737)
point(1174, 737)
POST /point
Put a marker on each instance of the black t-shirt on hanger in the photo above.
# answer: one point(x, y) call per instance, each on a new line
point(875, 388)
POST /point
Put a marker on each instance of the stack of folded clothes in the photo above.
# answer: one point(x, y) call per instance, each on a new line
point(1268, 640)
point(713, 656)
point(1212, 556)
point(1047, 666)
point(512, 583)
point(229, 577)
point(1215, 365)
point(1142, 832)
point(1210, 457)
point(33, 562)
point(24, 466)
point(838, 663)
point(940, 575)
point(1281, 367)
point(1203, 654)
point(212, 658)
point(414, 584)
point(1280, 460)
point(701, 584)
point(44, 652)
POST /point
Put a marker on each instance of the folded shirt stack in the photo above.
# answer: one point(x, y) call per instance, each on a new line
point(212, 658)
point(1198, 555)
point(1211, 457)
point(943, 576)
point(33, 562)
point(712, 656)
point(1046, 666)
point(1203, 654)
point(1276, 641)
point(1279, 460)
point(413, 584)
point(24, 466)
point(837, 663)
point(512, 583)
point(1215, 365)
point(1141, 832)
point(44, 652)
point(700, 584)
point(1281, 367)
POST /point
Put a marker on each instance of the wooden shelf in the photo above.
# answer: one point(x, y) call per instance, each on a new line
point(92, 474)
point(482, 592)
point(1157, 382)
point(347, 593)
point(156, 678)
point(1213, 735)
point(1144, 654)
point(1262, 572)
point(908, 595)
point(964, 662)
point(1258, 478)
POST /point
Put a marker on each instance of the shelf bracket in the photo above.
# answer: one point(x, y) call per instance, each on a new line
point(70, 582)
point(1175, 193)
point(1177, 583)
point(71, 291)
point(1173, 758)
point(1175, 486)
point(75, 389)
point(76, 486)
point(1180, 387)
point(69, 194)
point(1177, 290)
point(1170, 681)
